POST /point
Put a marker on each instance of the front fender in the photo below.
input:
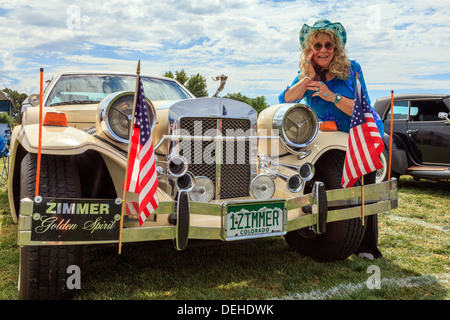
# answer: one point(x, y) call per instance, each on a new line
point(324, 142)
point(55, 140)
point(399, 162)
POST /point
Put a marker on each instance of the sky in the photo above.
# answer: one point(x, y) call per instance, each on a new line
point(401, 45)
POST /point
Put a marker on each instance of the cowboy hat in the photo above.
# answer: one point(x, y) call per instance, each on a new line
point(326, 25)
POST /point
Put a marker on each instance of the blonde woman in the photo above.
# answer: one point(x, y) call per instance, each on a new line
point(327, 78)
point(327, 81)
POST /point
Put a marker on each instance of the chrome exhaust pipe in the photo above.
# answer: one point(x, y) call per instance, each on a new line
point(294, 183)
point(184, 182)
point(177, 166)
point(306, 170)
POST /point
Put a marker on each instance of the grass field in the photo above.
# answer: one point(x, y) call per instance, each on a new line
point(414, 241)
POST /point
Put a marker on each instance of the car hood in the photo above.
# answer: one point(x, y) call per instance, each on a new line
point(210, 107)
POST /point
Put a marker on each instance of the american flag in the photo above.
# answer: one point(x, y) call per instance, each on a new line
point(364, 142)
point(142, 176)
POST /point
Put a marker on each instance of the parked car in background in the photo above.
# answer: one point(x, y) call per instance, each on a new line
point(421, 136)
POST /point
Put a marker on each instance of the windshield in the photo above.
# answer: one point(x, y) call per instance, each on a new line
point(93, 88)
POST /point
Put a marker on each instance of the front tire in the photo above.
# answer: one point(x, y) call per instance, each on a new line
point(43, 269)
point(341, 238)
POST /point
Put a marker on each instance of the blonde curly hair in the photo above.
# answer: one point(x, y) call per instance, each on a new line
point(339, 66)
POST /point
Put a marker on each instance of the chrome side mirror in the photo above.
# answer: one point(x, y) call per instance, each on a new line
point(444, 116)
point(33, 99)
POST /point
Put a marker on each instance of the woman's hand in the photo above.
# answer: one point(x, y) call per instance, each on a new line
point(320, 90)
point(310, 72)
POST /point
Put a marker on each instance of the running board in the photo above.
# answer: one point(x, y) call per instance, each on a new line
point(429, 172)
point(430, 168)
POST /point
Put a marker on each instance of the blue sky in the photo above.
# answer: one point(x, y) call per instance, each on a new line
point(402, 46)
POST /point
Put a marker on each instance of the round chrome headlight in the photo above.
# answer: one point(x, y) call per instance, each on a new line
point(203, 190)
point(262, 187)
point(297, 124)
point(114, 115)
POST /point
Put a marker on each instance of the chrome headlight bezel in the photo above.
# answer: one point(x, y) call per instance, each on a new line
point(305, 136)
point(119, 130)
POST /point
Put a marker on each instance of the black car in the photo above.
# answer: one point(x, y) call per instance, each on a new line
point(421, 136)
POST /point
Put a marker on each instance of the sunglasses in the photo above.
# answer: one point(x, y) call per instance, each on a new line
point(329, 46)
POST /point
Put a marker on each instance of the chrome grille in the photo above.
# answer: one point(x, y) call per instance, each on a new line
point(233, 176)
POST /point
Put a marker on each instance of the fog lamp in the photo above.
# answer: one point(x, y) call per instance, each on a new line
point(203, 190)
point(262, 187)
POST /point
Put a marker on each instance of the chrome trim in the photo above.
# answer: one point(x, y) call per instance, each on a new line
point(310, 170)
point(218, 110)
point(277, 123)
point(176, 137)
point(205, 108)
point(187, 180)
point(102, 121)
point(182, 223)
point(379, 198)
point(183, 163)
point(294, 178)
point(219, 150)
point(319, 207)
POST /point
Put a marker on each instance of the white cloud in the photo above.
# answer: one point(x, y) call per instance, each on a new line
point(254, 42)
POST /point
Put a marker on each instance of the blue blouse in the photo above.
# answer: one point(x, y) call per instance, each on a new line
point(327, 110)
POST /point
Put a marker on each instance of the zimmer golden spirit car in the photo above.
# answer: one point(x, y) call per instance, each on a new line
point(225, 174)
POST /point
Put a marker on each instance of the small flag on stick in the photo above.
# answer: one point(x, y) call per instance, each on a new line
point(364, 142)
point(141, 174)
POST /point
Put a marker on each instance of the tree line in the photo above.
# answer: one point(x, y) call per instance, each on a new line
point(17, 98)
point(195, 84)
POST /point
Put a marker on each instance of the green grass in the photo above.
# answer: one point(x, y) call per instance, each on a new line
point(414, 241)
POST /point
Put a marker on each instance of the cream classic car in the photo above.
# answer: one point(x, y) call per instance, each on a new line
point(225, 174)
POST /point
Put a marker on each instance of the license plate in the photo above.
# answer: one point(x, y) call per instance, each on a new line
point(245, 220)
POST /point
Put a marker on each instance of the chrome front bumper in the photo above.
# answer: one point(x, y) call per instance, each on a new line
point(311, 210)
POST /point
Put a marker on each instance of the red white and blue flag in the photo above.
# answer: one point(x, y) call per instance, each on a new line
point(142, 177)
point(364, 142)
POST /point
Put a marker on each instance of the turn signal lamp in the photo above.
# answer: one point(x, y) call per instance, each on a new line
point(328, 126)
point(58, 119)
